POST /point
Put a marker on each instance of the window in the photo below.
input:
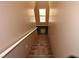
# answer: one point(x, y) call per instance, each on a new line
point(42, 19)
point(42, 13)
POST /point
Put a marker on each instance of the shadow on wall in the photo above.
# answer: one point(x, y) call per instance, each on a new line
point(72, 57)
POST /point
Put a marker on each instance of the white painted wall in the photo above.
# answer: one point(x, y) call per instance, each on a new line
point(64, 28)
point(16, 18)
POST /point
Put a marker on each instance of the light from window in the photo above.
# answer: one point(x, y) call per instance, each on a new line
point(42, 12)
point(42, 19)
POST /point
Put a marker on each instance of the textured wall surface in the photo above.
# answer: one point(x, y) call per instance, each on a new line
point(64, 28)
point(16, 18)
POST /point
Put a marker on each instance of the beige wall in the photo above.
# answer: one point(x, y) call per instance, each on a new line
point(16, 18)
point(64, 28)
point(38, 5)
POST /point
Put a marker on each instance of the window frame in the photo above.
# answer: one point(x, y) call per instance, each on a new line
point(42, 15)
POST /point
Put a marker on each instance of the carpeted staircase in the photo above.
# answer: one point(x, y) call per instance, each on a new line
point(41, 48)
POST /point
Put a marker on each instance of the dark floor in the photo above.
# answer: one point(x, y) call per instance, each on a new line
point(41, 48)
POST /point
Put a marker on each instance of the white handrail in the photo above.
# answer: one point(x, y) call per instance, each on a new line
point(18, 42)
